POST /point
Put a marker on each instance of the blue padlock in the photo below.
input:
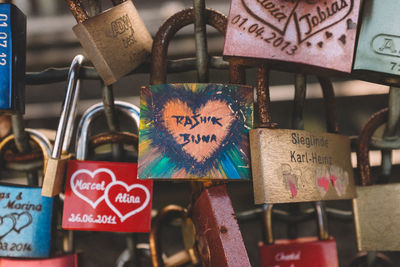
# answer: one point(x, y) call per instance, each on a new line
point(25, 215)
point(12, 58)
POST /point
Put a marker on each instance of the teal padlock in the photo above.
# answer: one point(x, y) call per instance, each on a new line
point(378, 48)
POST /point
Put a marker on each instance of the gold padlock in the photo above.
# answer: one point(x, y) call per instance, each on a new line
point(376, 208)
point(116, 41)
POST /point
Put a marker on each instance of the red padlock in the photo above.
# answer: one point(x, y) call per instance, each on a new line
point(302, 252)
point(106, 196)
point(70, 260)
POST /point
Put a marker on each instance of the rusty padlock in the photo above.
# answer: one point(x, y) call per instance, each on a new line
point(376, 210)
point(298, 165)
point(55, 169)
point(106, 196)
point(188, 130)
point(301, 252)
point(116, 41)
point(377, 54)
point(293, 35)
point(26, 216)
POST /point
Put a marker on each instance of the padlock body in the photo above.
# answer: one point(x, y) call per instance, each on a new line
point(106, 196)
point(302, 252)
point(195, 131)
point(377, 217)
point(54, 176)
point(26, 222)
point(293, 35)
point(379, 41)
point(12, 59)
point(116, 41)
point(70, 260)
point(298, 166)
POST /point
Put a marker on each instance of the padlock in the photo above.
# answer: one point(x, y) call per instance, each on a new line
point(376, 209)
point(12, 58)
point(192, 131)
point(298, 165)
point(116, 41)
point(293, 35)
point(56, 165)
point(377, 53)
point(301, 252)
point(70, 260)
point(25, 215)
point(106, 196)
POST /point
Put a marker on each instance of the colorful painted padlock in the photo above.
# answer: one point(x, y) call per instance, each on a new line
point(70, 260)
point(25, 215)
point(105, 196)
point(296, 32)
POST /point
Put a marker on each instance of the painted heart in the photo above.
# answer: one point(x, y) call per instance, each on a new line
point(322, 180)
point(7, 224)
point(23, 220)
point(310, 17)
point(126, 201)
point(90, 186)
point(199, 132)
point(340, 179)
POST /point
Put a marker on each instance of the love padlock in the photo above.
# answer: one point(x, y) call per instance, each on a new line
point(116, 40)
point(12, 58)
point(188, 130)
point(293, 35)
point(106, 196)
point(298, 165)
point(25, 215)
point(56, 164)
point(376, 211)
point(377, 54)
point(302, 252)
point(70, 260)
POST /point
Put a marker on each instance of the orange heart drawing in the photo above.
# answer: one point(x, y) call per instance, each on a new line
point(199, 132)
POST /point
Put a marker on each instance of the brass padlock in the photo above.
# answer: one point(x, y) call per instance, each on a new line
point(377, 54)
point(116, 41)
point(297, 165)
point(376, 208)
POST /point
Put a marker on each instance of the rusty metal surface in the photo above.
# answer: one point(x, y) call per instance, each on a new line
point(302, 32)
point(77, 10)
point(113, 138)
point(220, 241)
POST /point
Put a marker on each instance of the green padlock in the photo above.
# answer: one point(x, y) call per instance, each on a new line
point(378, 49)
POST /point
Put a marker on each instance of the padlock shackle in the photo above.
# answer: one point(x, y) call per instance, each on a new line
point(93, 112)
point(364, 141)
point(38, 138)
point(168, 30)
point(80, 14)
point(67, 117)
point(164, 216)
point(113, 138)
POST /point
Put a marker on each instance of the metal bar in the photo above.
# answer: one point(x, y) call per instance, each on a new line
point(267, 221)
point(201, 41)
point(299, 101)
point(21, 137)
point(263, 99)
point(330, 104)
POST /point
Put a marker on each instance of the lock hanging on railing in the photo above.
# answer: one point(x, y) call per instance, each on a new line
point(293, 35)
point(376, 209)
point(12, 58)
point(306, 251)
point(106, 196)
point(26, 216)
point(116, 41)
point(298, 165)
point(56, 165)
point(189, 130)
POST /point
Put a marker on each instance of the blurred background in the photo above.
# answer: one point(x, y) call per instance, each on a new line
point(51, 43)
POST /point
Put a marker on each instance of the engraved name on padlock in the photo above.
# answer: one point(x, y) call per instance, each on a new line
point(378, 43)
point(116, 41)
point(376, 209)
point(70, 260)
point(192, 131)
point(105, 196)
point(25, 215)
point(301, 252)
point(12, 58)
point(293, 34)
point(297, 165)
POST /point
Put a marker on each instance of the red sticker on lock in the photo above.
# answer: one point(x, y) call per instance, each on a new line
point(106, 196)
point(301, 252)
